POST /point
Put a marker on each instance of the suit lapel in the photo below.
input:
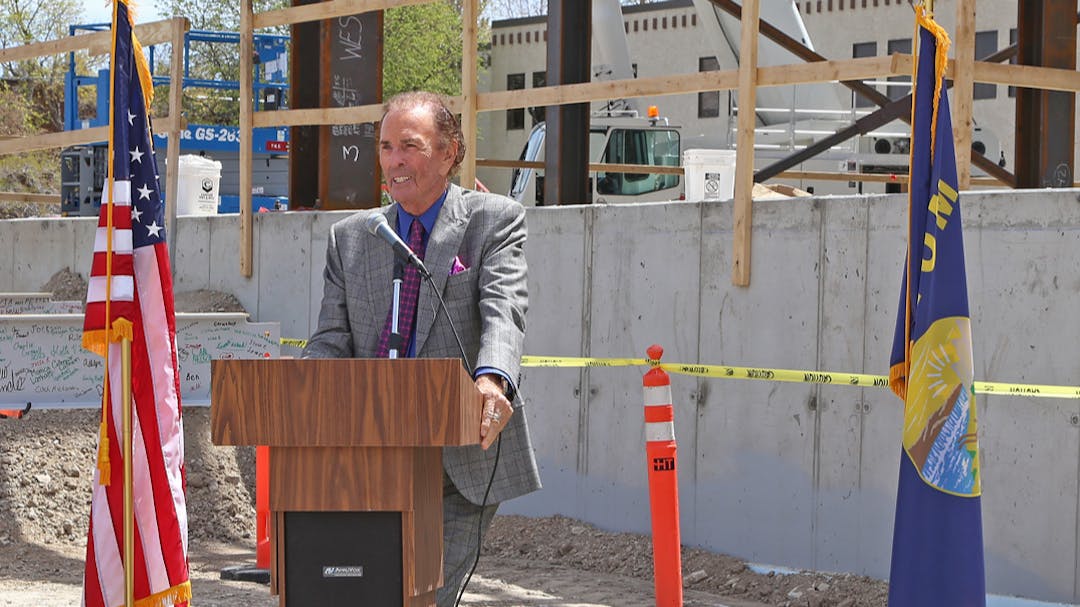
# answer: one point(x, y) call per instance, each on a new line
point(443, 245)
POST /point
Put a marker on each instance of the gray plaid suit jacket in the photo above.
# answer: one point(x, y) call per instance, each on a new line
point(487, 301)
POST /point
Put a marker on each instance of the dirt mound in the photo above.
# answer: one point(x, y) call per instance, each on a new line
point(46, 467)
point(570, 543)
point(67, 285)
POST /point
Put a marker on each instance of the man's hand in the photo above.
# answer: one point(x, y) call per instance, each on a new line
point(497, 409)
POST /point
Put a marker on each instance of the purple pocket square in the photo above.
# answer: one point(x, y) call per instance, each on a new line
point(457, 267)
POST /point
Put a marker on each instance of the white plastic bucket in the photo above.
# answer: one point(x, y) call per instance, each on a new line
point(710, 174)
point(198, 182)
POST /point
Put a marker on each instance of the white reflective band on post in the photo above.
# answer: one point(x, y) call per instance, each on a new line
point(659, 431)
point(657, 395)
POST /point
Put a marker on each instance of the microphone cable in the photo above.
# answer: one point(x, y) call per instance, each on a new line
point(498, 439)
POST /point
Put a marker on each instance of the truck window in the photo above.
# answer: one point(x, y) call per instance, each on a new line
point(657, 147)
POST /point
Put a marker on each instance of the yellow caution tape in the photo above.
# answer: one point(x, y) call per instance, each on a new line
point(793, 375)
point(761, 373)
point(569, 361)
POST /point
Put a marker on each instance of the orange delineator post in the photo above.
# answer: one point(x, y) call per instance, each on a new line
point(262, 507)
point(663, 483)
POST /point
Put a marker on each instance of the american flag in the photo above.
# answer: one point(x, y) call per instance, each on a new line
point(130, 295)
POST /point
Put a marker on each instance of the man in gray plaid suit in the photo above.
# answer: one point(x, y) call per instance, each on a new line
point(473, 245)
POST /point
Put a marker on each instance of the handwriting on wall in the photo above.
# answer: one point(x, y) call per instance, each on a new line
point(42, 360)
point(348, 151)
point(36, 303)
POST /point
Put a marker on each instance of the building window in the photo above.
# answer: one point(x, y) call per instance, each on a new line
point(1012, 60)
point(899, 90)
point(684, 20)
point(528, 37)
point(515, 118)
point(985, 45)
point(635, 25)
point(663, 23)
point(863, 49)
point(708, 102)
point(538, 113)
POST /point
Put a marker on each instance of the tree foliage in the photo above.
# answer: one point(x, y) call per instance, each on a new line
point(422, 49)
point(37, 82)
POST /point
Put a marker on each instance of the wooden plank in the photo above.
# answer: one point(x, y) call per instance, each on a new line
point(469, 15)
point(172, 152)
point(247, 47)
point(593, 166)
point(148, 34)
point(1046, 78)
point(97, 43)
point(28, 197)
point(825, 71)
point(577, 93)
point(316, 116)
point(47, 141)
point(744, 147)
point(842, 176)
point(963, 89)
point(325, 10)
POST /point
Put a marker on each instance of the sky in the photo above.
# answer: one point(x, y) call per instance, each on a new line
point(98, 11)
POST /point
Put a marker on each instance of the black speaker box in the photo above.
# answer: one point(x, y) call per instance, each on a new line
point(338, 559)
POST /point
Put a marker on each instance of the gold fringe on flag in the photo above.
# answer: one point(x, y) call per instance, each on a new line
point(181, 593)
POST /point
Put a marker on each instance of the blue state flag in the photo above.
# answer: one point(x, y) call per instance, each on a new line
point(937, 556)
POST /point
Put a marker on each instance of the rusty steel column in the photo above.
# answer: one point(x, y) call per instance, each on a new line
point(335, 63)
point(304, 93)
point(569, 61)
point(1046, 37)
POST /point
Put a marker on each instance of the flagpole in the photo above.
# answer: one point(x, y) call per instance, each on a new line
point(129, 501)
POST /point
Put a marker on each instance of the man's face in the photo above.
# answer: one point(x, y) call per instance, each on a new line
point(414, 164)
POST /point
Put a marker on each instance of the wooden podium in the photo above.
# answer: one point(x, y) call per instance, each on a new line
point(353, 442)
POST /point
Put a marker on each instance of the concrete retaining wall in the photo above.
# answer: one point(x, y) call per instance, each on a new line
point(790, 474)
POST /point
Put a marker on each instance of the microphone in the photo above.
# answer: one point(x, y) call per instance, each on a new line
point(377, 225)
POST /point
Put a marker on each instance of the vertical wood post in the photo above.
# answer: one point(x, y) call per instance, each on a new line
point(744, 147)
point(180, 25)
point(247, 47)
point(468, 91)
point(964, 90)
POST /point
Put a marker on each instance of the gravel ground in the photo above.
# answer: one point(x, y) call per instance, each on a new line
point(45, 463)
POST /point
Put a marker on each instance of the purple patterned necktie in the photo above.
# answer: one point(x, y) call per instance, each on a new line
point(410, 293)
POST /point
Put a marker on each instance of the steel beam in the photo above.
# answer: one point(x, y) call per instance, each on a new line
point(569, 61)
point(1045, 120)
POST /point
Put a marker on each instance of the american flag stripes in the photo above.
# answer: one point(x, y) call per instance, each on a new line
point(130, 295)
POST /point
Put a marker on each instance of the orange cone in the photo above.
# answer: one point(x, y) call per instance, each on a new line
point(663, 483)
